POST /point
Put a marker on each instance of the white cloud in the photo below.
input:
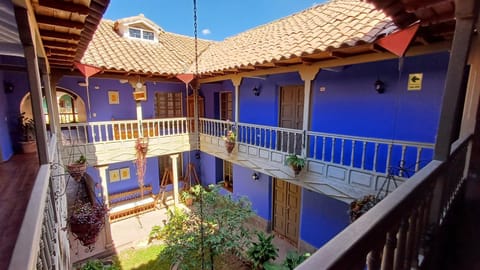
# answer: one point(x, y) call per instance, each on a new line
point(206, 31)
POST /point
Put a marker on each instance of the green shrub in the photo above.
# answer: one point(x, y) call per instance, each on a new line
point(262, 251)
point(293, 259)
point(97, 265)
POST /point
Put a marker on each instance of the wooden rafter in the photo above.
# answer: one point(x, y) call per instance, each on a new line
point(48, 20)
point(66, 6)
point(59, 35)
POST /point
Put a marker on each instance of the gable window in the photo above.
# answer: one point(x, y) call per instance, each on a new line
point(147, 35)
point(135, 33)
point(140, 34)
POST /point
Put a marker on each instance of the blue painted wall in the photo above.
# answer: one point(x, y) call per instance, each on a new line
point(257, 191)
point(127, 108)
point(151, 176)
point(321, 218)
point(5, 140)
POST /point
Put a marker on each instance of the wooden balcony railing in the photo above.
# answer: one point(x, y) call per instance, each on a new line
point(108, 131)
point(400, 158)
point(38, 244)
point(403, 230)
point(380, 156)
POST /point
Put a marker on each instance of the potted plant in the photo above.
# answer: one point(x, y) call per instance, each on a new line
point(27, 136)
point(229, 139)
point(78, 168)
point(361, 206)
point(86, 221)
point(187, 198)
point(297, 163)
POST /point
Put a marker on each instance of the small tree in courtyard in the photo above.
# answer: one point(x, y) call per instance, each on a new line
point(222, 219)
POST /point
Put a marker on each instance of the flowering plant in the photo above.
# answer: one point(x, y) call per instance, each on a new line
point(361, 206)
point(230, 137)
point(87, 214)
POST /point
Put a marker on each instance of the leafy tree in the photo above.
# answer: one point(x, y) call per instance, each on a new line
point(215, 226)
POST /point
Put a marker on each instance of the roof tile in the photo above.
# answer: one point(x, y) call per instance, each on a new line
point(323, 27)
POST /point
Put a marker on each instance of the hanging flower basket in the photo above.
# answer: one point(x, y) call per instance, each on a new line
point(87, 221)
point(229, 146)
point(230, 138)
point(77, 170)
point(361, 206)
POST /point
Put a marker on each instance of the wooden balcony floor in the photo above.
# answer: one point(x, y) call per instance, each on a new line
point(17, 177)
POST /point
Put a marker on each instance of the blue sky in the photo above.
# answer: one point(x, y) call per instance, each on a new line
point(216, 19)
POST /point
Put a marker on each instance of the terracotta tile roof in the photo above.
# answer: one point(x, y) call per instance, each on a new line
point(172, 55)
point(339, 23)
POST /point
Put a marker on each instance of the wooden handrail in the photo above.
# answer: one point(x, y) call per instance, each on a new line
point(349, 249)
point(26, 251)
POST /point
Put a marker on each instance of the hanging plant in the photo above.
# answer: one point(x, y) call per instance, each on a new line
point(361, 206)
point(78, 168)
point(141, 147)
point(86, 221)
point(229, 138)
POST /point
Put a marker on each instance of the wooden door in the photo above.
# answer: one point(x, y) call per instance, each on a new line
point(291, 116)
point(286, 210)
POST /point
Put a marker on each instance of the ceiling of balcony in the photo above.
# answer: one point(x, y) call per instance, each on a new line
point(438, 16)
point(65, 28)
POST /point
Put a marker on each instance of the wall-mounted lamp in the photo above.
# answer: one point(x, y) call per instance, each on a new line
point(379, 86)
point(82, 83)
point(256, 91)
point(255, 176)
point(8, 87)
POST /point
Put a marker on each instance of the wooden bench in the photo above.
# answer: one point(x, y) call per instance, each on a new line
point(128, 203)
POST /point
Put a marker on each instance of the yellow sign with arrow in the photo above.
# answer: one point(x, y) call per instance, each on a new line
point(415, 81)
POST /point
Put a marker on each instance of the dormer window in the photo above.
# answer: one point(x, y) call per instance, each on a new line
point(140, 33)
point(147, 35)
point(135, 33)
point(138, 28)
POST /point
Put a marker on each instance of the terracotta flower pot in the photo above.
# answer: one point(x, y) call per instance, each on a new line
point(28, 146)
point(296, 169)
point(229, 146)
point(77, 170)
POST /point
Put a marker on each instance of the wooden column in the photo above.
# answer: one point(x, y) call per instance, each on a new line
point(237, 80)
point(50, 96)
point(465, 14)
point(175, 178)
point(37, 103)
point(307, 74)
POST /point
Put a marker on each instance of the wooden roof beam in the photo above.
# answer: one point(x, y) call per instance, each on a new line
point(337, 54)
point(59, 44)
point(42, 19)
point(65, 6)
point(59, 35)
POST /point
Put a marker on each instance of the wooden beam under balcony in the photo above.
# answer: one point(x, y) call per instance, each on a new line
point(66, 6)
point(42, 19)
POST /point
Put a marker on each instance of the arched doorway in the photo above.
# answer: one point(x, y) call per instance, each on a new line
point(71, 107)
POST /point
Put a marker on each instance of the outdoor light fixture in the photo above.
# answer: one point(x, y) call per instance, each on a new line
point(256, 91)
point(379, 86)
point(8, 87)
point(255, 176)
